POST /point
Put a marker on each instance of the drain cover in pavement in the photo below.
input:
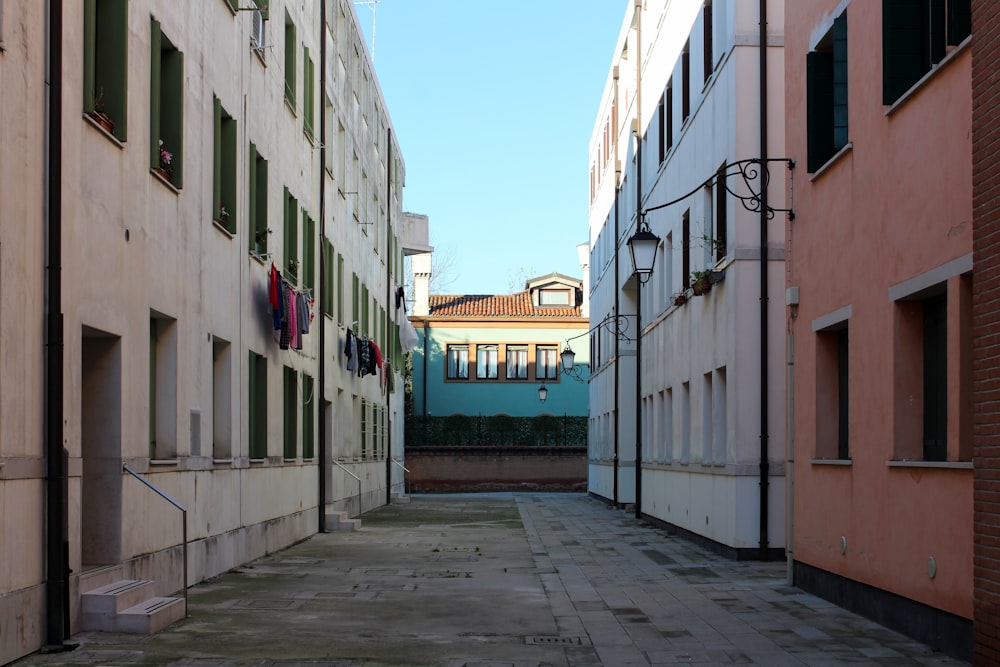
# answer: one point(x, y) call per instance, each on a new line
point(561, 641)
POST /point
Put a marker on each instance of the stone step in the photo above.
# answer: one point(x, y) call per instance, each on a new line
point(400, 499)
point(336, 521)
point(150, 616)
point(116, 597)
point(129, 605)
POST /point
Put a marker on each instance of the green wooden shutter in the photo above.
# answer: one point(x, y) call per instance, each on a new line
point(252, 403)
point(819, 107)
point(216, 158)
point(902, 46)
point(154, 93)
point(174, 77)
point(840, 89)
point(308, 401)
point(291, 430)
point(89, 53)
point(111, 62)
point(252, 203)
point(229, 196)
point(262, 213)
point(265, 8)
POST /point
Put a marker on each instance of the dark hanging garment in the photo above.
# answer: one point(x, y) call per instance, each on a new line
point(274, 295)
point(372, 366)
point(286, 331)
point(364, 356)
point(349, 350)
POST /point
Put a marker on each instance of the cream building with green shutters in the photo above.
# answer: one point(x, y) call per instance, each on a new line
point(187, 148)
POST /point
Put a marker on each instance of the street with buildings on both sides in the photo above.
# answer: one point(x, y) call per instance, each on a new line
point(504, 579)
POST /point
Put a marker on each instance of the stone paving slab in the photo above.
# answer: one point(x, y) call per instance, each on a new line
point(503, 580)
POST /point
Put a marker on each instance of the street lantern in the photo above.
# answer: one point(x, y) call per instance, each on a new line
point(543, 393)
point(567, 356)
point(642, 247)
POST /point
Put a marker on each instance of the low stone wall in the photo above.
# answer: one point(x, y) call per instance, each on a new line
point(484, 469)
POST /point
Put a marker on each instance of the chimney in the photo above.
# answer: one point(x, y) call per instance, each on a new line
point(421, 283)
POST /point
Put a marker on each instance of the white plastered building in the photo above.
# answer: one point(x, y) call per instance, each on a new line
point(682, 103)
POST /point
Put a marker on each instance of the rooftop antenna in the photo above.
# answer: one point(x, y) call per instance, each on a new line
point(371, 4)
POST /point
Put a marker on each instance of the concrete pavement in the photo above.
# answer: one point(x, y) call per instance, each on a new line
point(515, 580)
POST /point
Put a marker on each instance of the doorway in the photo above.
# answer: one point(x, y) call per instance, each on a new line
point(100, 442)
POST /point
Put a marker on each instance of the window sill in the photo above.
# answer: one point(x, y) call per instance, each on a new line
point(832, 462)
point(221, 227)
point(923, 81)
point(949, 465)
point(260, 259)
point(290, 105)
point(834, 159)
point(93, 122)
point(162, 178)
point(163, 462)
point(258, 50)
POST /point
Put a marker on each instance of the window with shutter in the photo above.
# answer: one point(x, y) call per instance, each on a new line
point(826, 95)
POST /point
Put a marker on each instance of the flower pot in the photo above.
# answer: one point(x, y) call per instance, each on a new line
point(701, 286)
point(104, 120)
point(680, 299)
point(162, 173)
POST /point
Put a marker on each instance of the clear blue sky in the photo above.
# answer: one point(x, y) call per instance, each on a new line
point(493, 104)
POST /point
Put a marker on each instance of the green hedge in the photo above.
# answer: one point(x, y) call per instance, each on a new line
point(497, 430)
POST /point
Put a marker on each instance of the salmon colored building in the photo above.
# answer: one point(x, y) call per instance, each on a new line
point(879, 122)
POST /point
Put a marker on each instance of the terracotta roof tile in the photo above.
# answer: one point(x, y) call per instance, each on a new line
point(494, 305)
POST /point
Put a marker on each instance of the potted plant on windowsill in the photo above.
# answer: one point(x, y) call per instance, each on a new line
point(164, 170)
point(98, 115)
point(680, 299)
point(700, 283)
point(222, 218)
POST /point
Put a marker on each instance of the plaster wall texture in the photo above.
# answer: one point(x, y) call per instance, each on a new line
point(139, 250)
point(891, 213)
point(701, 360)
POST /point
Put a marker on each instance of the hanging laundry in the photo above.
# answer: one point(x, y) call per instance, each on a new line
point(293, 321)
point(378, 354)
point(372, 347)
point(349, 350)
point(399, 299)
point(274, 295)
point(364, 357)
point(286, 332)
point(302, 307)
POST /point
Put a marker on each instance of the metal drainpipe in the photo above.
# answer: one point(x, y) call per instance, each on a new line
point(388, 314)
point(762, 47)
point(615, 500)
point(321, 375)
point(56, 490)
point(617, 356)
point(638, 286)
point(790, 471)
point(424, 379)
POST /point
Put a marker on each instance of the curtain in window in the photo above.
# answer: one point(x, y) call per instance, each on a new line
point(458, 362)
point(545, 364)
point(517, 362)
point(486, 361)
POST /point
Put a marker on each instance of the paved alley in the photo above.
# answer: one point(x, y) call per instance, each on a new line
point(519, 580)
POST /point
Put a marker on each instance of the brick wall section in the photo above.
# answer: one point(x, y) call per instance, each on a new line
point(487, 469)
point(986, 326)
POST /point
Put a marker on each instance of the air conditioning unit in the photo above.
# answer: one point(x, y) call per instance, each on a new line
point(257, 32)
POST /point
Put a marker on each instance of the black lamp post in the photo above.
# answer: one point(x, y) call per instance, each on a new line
point(642, 246)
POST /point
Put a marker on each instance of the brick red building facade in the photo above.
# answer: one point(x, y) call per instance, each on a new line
point(986, 326)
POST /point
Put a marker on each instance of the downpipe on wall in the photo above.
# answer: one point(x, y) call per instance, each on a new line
point(764, 472)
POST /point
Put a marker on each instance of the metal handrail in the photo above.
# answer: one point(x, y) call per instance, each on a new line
point(344, 468)
point(184, 531)
point(405, 470)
